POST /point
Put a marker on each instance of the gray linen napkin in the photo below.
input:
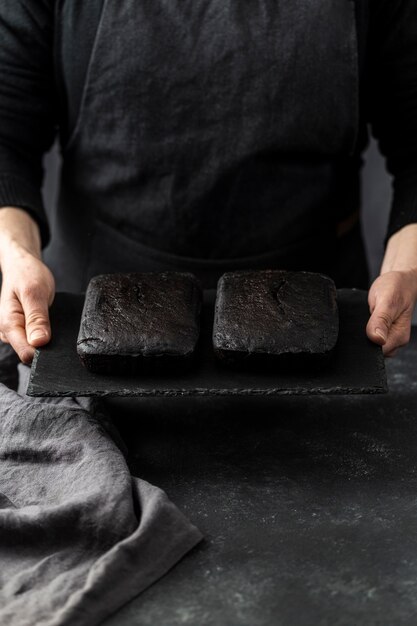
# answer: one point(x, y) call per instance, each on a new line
point(79, 536)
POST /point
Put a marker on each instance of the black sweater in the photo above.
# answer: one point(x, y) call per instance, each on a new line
point(34, 106)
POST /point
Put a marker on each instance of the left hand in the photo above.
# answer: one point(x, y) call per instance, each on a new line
point(393, 295)
point(392, 299)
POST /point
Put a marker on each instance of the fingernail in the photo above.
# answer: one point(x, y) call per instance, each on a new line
point(380, 333)
point(38, 334)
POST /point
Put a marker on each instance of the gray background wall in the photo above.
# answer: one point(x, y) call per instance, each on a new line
point(376, 200)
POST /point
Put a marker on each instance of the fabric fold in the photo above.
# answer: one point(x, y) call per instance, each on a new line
point(79, 536)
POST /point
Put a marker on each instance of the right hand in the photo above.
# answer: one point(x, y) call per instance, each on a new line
point(27, 291)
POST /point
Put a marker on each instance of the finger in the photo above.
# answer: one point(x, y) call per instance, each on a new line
point(16, 336)
point(371, 299)
point(381, 321)
point(399, 335)
point(35, 309)
point(12, 324)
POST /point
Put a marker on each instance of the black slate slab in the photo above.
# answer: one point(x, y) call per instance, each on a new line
point(357, 367)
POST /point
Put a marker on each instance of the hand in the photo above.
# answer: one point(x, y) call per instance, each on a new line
point(28, 287)
point(27, 291)
point(392, 299)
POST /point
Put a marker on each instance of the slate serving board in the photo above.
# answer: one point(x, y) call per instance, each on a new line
point(357, 367)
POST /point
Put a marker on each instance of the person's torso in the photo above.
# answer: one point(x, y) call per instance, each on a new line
point(213, 129)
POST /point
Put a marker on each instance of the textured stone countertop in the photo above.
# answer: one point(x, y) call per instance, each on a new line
point(308, 506)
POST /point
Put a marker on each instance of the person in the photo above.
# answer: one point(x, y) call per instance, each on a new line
point(207, 136)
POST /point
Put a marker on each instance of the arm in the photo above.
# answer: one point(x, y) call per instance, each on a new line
point(27, 129)
point(392, 110)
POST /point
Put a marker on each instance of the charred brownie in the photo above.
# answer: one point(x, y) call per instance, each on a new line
point(140, 322)
point(275, 317)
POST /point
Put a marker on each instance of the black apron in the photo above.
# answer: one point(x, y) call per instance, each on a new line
point(211, 135)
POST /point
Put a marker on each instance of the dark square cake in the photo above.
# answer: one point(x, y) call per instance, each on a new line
point(140, 322)
point(275, 317)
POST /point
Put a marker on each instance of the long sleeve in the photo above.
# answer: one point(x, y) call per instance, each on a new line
point(392, 99)
point(27, 103)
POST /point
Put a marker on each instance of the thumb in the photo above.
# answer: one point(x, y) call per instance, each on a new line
point(36, 312)
point(380, 322)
